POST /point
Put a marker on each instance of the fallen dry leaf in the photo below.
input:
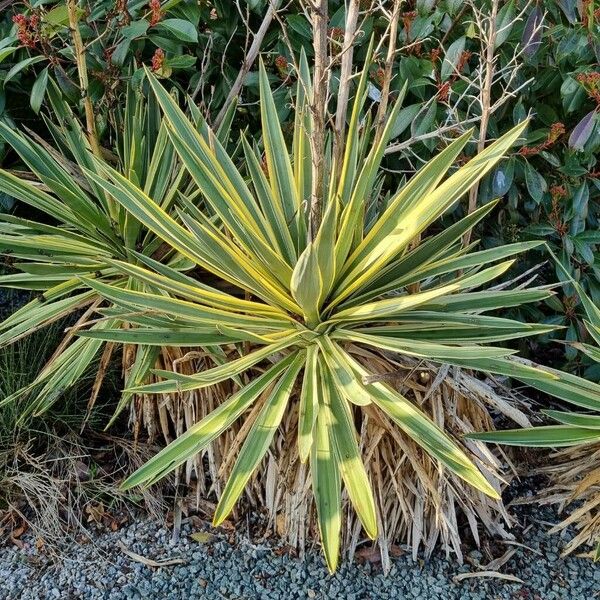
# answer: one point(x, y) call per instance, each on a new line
point(286, 551)
point(195, 521)
point(17, 542)
point(372, 554)
point(19, 531)
point(495, 564)
point(95, 512)
point(202, 537)
point(227, 525)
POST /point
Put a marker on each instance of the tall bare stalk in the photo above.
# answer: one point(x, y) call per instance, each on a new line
point(488, 29)
point(387, 78)
point(345, 76)
point(318, 106)
point(90, 121)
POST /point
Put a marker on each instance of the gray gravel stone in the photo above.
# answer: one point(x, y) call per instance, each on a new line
point(244, 571)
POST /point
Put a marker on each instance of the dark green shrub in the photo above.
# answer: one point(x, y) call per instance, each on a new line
point(545, 65)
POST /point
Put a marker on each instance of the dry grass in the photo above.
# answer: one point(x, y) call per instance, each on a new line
point(575, 487)
point(419, 504)
point(56, 482)
point(60, 491)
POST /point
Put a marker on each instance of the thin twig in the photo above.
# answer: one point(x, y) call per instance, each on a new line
point(488, 42)
point(387, 78)
point(431, 134)
point(456, 19)
point(248, 60)
point(149, 562)
point(345, 76)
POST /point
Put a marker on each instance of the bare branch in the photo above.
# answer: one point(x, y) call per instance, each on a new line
point(488, 42)
point(90, 120)
point(248, 60)
point(345, 75)
point(432, 134)
point(387, 78)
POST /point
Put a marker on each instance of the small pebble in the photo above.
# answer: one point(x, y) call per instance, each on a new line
point(243, 570)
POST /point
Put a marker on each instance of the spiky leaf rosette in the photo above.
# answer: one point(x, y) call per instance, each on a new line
point(307, 306)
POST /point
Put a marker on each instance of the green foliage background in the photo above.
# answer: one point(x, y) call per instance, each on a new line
point(551, 187)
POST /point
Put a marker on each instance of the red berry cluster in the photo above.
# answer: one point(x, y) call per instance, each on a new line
point(281, 63)
point(465, 55)
point(336, 34)
point(443, 88)
point(558, 193)
point(379, 76)
point(407, 19)
point(443, 91)
point(591, 83)
point(585, 13)
point(27, 29)
point(156, 14)
point(556, 130)
point(122, 13)
point(158, 60)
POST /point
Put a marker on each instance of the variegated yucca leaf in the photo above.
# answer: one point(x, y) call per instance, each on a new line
point(308, 307)
point(574, 428)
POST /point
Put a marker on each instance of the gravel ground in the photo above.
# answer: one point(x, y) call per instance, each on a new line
point(221, 566)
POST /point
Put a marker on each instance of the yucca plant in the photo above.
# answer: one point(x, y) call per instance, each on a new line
point(311, 307)
point(575, 472)
point(74, 228)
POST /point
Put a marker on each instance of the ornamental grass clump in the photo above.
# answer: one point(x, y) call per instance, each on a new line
point(322, 319)
point(71, 232)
